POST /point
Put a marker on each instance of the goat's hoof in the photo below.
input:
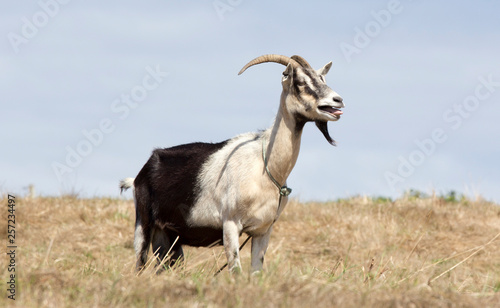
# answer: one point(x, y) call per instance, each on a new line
point(256, 273)
point(235, 270)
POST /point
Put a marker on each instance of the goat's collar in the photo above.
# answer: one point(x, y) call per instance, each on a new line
point(283, 190)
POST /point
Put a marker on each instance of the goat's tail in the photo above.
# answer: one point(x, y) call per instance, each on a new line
point(126, 184)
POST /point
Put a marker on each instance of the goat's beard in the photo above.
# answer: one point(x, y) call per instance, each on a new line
point(323, 127)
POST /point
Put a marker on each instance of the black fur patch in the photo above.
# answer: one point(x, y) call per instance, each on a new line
point(300, 86)
point(166, 189)
point(300, 121)
point(311, 92)
point(314, 79)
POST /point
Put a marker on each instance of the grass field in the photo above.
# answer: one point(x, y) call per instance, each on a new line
point(359, 252)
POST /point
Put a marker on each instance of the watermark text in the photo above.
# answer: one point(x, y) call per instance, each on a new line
point(121, 107)
point(454, 117)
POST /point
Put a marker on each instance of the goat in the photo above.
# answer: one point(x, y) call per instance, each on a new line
point(201, 194)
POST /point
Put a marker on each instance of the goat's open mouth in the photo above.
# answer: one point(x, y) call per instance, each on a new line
point(331, 110)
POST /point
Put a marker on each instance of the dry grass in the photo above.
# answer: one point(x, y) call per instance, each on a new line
point(350, 253)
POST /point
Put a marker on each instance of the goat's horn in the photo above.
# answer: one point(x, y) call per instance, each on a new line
point(301, 61)
point(271, 58)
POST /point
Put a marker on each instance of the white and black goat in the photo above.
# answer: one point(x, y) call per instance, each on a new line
point(202, 194)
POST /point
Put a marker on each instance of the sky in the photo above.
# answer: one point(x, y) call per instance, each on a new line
point(89, 89)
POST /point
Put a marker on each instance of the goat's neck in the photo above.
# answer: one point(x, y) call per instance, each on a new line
point(282, 144)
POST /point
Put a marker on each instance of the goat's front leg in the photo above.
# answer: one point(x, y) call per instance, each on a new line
point(259, 247)
point(231, 234)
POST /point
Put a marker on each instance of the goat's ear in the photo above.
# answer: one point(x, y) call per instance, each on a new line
point(324, 70)
point(287, 75)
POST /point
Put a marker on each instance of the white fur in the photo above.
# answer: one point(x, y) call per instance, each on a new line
point(126, 183)
point(138, 239)
point(237, 195)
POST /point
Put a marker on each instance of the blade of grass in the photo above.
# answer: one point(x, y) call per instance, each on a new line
point(470, 256)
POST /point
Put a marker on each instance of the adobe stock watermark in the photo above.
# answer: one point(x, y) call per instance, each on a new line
point(31, 26)
point(120, 107)
point(222, 7)
point(454, 117)
point(364, 36)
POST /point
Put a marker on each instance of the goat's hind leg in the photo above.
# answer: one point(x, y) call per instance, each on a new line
point(163, 244)
point(143, 226)
point(142, 239)
point(176, 252)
